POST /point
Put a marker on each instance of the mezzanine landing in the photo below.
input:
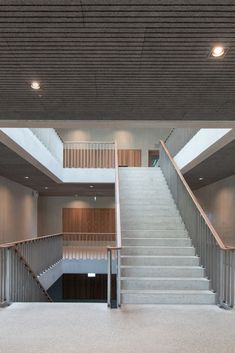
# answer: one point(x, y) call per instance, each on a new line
point(89, 328)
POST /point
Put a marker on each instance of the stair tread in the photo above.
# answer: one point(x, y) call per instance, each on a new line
point(157, 246)
point(159, 267)
point(153, 238)
point(154, 256)
point(167, 291)
point(166, 278)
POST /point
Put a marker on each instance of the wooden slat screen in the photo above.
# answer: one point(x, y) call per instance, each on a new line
point(129, 157)
point(100, 158)
point(88, 158)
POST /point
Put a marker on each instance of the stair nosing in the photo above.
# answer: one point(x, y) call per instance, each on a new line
point(166, 291)
point(197, 279)
point(159, 267)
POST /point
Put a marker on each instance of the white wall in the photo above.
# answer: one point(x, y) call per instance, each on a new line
point(50, 210)
point(218, 201)
point(202, 145)
point(136, 138)
point(18, 211)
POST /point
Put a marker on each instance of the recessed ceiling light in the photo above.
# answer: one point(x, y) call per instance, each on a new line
point(46, 187)
point(26, 177)
point(218, 51)
point(91, 186)
point(200, 178)
point(35, 85)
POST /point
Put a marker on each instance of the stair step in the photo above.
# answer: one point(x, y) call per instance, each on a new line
point(157, 233)
point(162, 271)
point(159, 260)
point(157, 250)
point(150, 211)
point(166, 283)
point(167, 297)
point(185, 242)
point(152, 227)
point(143, 218)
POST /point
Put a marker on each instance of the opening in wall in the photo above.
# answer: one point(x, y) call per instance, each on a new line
point(153, 158)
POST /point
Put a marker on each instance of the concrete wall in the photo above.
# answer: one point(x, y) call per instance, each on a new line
point(218, 201)
point(139, 138)
point(18, 211)
point(50, 210)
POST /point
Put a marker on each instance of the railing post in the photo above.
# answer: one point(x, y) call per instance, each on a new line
point(8, 276)
point(232, 278)
point(118, 278)
point(223, 285)
point(109, 274)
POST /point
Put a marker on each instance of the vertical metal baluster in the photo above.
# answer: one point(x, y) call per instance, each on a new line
point(232, 277)
point(118, 278)
point(109, 273)
point(8, 275)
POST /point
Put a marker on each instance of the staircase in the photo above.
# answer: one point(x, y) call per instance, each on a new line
point(158, 261)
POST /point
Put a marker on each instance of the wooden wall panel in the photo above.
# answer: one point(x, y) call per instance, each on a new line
point(89, 220)
point(129, 157)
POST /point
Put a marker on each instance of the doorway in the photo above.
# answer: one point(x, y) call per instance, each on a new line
point(153, 158)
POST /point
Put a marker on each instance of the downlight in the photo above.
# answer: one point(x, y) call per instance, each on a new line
point(218, 51)
point(35, 85)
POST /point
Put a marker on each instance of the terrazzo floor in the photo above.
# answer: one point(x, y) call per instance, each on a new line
point(89, 328)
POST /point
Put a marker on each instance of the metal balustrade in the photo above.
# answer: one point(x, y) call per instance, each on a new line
point(178, 138)
point(87, 246)
point(217, 259)
point(50, 139)
point(2, 275)
point(21, 263)
point(42, 253)
point(115, 251)
point(89, 155)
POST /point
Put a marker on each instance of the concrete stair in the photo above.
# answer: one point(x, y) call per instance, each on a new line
point(158, 261)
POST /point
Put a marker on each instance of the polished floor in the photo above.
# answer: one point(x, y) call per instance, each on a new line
point(89, 328)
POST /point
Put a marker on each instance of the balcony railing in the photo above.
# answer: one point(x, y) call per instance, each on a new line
point(89, 155)
point(87, 246)
point(217, 259)
point(22, 262)
point(20, 265)
point(178, 138)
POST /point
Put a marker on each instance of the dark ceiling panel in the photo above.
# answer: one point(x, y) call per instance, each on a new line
point(15, 168)
point(218, 166)
point(144, 59)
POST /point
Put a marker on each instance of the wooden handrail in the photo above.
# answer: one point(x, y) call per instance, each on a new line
point(12, 244)
point(90, 142)
point(194, 199)
point(9, 245)
point(88, 233)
